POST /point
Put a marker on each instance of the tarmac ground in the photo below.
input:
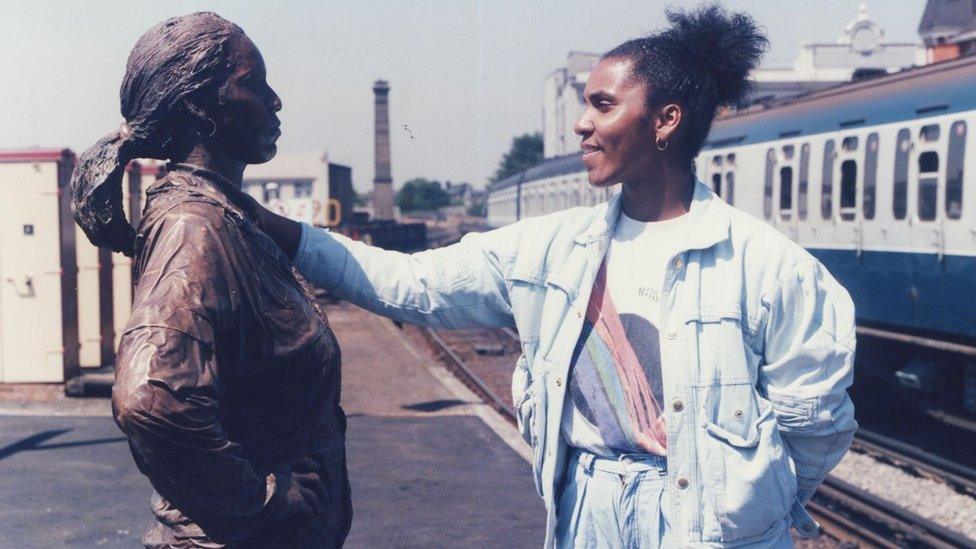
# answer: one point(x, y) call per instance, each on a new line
point(430, 465)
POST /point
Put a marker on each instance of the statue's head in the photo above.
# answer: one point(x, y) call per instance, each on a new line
point(191, 81)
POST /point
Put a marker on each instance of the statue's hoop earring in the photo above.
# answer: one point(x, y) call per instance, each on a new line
point(661, 145)
point(213, 129)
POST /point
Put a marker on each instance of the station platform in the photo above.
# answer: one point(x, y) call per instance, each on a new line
point(430, 465)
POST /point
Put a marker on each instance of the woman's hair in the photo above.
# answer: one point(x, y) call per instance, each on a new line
point(701, 62)
point(180, 60)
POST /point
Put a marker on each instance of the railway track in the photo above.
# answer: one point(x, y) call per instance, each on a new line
point(916, 461)
point(447, 343)
point(852, 515)
point(847, 513)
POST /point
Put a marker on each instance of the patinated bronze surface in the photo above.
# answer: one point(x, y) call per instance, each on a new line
point(227, 375)
point(227, 372)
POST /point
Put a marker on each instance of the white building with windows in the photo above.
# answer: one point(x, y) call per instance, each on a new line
point(293, 185)
point(562, 103)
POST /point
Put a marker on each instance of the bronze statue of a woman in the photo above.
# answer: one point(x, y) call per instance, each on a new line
point(228, 375)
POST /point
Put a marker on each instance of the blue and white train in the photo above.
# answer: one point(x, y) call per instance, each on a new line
point(876, 179)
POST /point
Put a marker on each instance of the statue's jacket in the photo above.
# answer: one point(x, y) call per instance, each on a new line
point(226, 372)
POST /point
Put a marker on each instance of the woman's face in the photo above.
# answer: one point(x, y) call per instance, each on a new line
point(616, 127)
point(247, 126)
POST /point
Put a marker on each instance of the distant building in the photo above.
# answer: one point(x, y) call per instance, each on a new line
point(303, 187)
point(860, 51)
point(562, 103)
point(463, 193)
point(948, 29)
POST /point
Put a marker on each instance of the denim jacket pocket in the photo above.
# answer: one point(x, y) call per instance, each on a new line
point(723, 352)
point(749, 487)
point(530, 413)
point(521, 382)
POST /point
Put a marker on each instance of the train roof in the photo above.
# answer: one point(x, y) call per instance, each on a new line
point(940, 88)
point(551, 167)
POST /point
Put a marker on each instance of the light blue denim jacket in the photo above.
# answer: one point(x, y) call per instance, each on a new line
point(757, 350)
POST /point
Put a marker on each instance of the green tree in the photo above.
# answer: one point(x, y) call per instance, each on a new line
point(526, 151)
point(421, 194)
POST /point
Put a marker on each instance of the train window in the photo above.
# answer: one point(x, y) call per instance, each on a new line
point(730, 187)
point(768, 187)
point(717, 161)
point(900, 202)
point(848, 189)
point(929, 133)
point(717, 183)
point(786, 192)
point(954, 160)
point(788, 152)
point(870, 175)
point(827, 191)
point(801, 198)
point(849, 144)
point(730, 160)
point(928, 184)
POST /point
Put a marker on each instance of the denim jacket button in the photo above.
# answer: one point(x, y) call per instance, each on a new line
point(679, 263)
point(559, 382)
point(678, 406)
point(682, 483)
point(672, 332)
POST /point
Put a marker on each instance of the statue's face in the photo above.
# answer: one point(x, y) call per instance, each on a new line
point(247, 126)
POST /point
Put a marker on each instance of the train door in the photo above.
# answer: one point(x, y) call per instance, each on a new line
point(719, 175)
point(926, 193)
point(802, 189)
point(712, 175)
point(934, 202)
point(784, 190)
point(849, 193)
point(728, 183)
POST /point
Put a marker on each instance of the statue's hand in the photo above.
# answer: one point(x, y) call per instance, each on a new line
point(298, 491)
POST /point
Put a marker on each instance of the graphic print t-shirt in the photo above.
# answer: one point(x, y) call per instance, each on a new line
point(614, 402)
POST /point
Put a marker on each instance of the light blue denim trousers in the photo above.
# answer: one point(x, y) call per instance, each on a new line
point(619, 502)
point(613, 502)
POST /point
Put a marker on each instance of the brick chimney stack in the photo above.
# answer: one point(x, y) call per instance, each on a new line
point(383, 181)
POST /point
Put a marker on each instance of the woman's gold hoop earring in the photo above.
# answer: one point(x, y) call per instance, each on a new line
point(213, 129)
point(661, 147)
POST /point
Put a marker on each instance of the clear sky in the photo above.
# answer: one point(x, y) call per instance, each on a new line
point(466, 76)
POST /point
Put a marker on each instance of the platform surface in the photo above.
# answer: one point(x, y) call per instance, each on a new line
point(426, 469)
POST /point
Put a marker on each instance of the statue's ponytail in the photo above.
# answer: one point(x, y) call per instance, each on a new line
point(96, 193)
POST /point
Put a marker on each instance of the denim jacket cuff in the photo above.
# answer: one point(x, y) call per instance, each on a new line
point(320, 257)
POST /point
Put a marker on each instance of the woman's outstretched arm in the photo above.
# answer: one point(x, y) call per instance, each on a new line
point(462, 285)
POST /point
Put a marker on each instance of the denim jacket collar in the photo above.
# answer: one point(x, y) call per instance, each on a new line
point(709, 210)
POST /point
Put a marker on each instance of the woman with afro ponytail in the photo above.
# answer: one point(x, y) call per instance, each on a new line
point(685, 366)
